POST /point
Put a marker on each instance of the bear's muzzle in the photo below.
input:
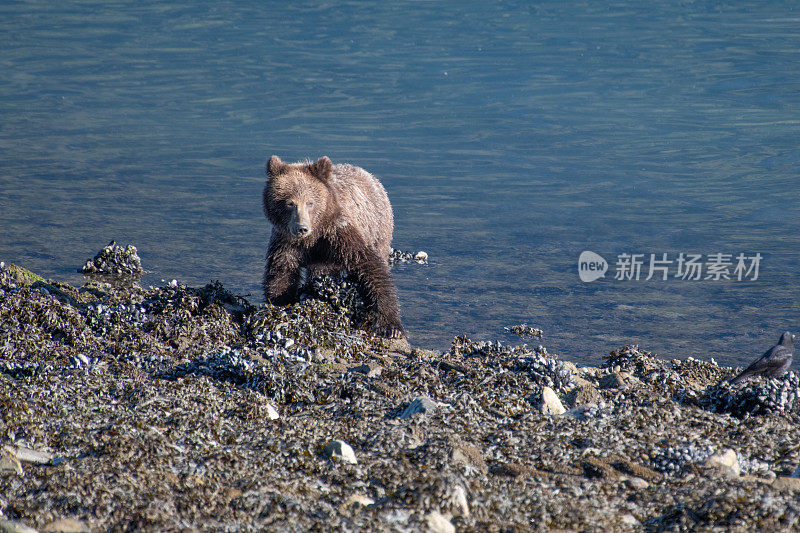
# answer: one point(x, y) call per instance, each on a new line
point(300, 223)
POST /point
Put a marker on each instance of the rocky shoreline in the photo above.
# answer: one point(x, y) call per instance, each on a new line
point(189, 409)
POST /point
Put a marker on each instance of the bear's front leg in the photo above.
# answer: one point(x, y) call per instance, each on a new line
point(372, 273)
point(281, 273)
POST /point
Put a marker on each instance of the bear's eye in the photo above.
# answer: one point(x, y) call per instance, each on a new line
point(310, 204)
point(290, 204)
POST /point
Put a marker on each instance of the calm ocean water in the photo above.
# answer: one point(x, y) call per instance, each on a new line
point(510, 136)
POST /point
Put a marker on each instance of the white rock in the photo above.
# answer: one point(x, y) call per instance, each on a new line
point(9, 463)
point(66, 525)
point(421, 256)
point(727, 459)
point(591, 450)
point(438, 523)
point(551, 405)
point(339, 449)
point(272, 413)
point(637, 483)
point(9, 526)
point(457, 499)
point(359, 499)
point(630, 520)
point(788, 483)
point(29, 456)
point(398, 516)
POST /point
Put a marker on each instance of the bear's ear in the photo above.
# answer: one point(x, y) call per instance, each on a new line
point(275, 166)
point(321, 169)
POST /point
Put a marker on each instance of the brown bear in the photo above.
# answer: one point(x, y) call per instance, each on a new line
point(326, 218)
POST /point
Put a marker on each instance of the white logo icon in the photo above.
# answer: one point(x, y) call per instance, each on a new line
point(591, 266)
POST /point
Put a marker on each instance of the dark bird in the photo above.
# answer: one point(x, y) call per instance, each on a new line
point(774, 363)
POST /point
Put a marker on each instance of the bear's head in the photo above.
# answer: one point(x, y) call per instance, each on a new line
point(296, 196)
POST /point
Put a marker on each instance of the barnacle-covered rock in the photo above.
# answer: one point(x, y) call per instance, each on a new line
point(13, 276)
point(537, 366)
point(632, 359)
point(547, 371)
point(250, 370)
point(524, 330)
point(306, 329)
point(340, 292)
point(114, 261)
point(398, 256)
point(673, 459)
point(159, 408)
point(756, 397)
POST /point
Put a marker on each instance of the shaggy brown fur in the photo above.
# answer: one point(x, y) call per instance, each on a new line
point(326, 218)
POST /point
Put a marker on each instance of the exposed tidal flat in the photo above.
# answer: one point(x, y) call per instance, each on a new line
point(180, 408)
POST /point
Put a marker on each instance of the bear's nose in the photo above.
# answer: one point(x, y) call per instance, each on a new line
point(302, 230)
